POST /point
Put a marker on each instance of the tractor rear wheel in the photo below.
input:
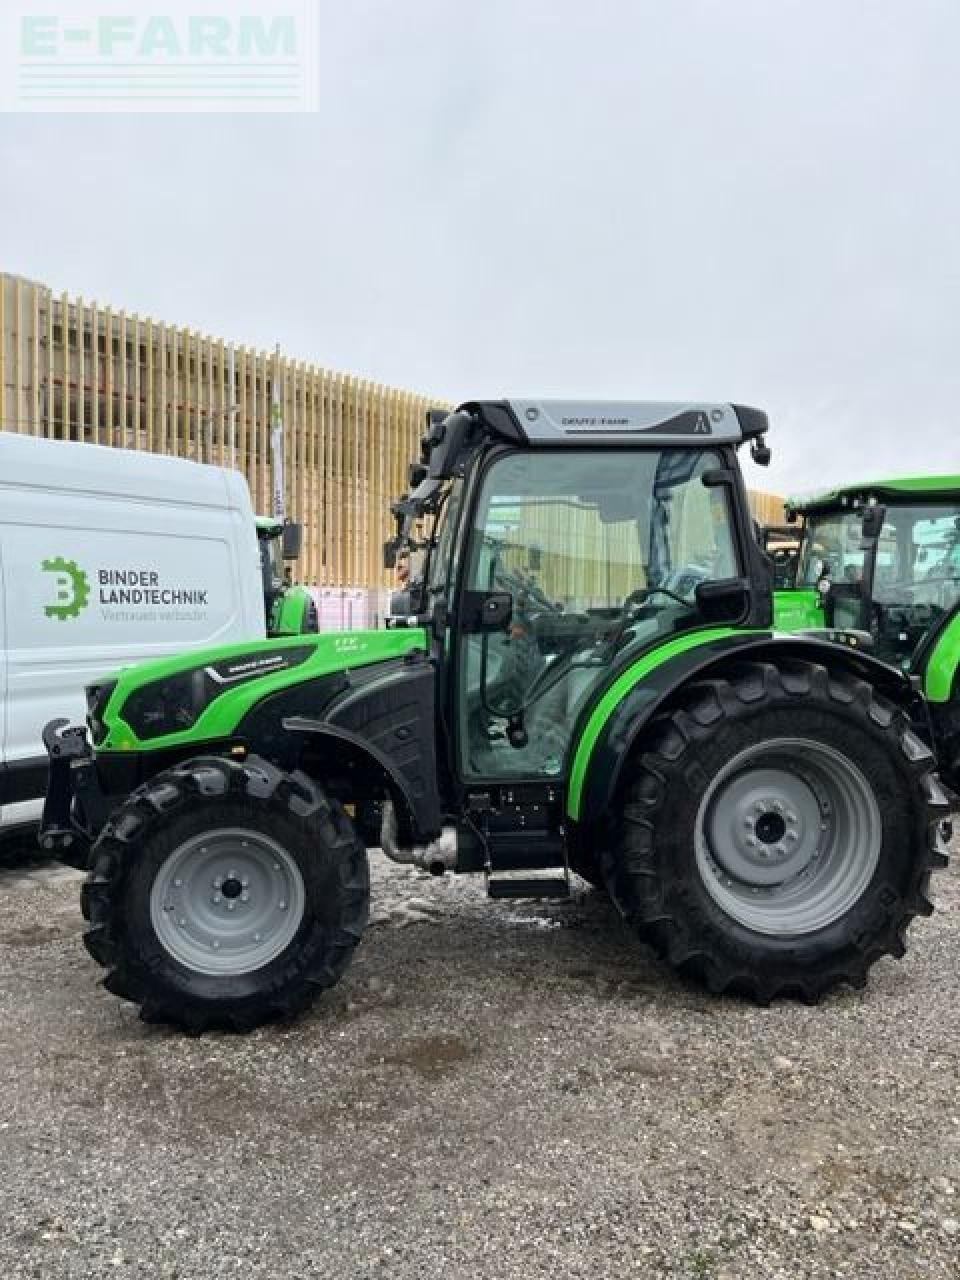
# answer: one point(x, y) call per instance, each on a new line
point(777, 831)
point(225, 895)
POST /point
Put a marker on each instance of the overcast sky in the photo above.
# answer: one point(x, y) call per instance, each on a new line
point(753, 200)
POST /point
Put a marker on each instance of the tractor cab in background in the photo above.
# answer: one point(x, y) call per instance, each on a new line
point(290, 608)
point(879, 565)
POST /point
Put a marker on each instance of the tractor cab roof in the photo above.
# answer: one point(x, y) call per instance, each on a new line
point(903, 490)
point(622, 423)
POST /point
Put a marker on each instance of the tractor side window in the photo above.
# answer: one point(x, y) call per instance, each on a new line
point(600, 551)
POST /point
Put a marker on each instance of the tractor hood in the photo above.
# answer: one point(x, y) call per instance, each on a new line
point(204, 695)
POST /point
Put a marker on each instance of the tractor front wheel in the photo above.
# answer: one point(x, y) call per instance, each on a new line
point(777, 831)
point(225, 895)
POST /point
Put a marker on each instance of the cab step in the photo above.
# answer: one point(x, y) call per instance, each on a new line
point(554, 884)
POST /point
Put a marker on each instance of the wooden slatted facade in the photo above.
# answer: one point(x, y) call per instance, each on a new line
point(73, 370)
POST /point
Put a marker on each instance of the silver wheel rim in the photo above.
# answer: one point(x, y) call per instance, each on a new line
point(227, 902)
point(788, 836)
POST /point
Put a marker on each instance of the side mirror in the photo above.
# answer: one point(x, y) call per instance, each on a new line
point(390, 554)
point(487, 611)
point(292, 540)
point(874, 519)
point(723, 599)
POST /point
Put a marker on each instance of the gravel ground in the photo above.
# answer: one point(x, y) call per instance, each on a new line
point(495, 1090)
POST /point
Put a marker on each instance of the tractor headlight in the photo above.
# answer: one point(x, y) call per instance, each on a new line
point(98, 695)
point(171, 705)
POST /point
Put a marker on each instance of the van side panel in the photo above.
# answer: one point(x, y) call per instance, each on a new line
point(98, 577)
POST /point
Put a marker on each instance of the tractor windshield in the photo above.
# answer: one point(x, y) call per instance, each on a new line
point(601, 551)
point(916, 578)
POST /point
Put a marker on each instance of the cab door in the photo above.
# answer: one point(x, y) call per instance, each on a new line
point(576, 559)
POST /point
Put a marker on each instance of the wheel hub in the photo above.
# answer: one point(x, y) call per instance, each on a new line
point(764, 826)
point(788, 836)
point(227, 902)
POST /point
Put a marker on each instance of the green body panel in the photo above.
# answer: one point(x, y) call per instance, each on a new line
point(289, 614)
point(797, 609)
point(944, 663)
point(332, 652)
point(619, 690)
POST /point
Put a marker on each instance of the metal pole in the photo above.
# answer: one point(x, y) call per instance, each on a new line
point(276, 442)
point(232, 379)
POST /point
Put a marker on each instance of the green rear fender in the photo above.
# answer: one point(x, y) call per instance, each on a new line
point(617, 717)
point(234, 678)
point(797, 609)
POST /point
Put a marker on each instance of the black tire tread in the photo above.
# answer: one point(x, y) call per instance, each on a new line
point(626, 859)
point(141, 814)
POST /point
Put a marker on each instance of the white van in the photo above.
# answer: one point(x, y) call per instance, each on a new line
point(108, 557)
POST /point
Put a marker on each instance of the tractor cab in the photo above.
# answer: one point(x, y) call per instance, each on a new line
point(556, 549)
point(880, 559)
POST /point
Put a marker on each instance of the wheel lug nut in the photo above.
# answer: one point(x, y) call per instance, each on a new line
point(245, 882)
point(182, 923)
point(217, 897)
point(178, 884)
point(231, 906)
point(256, 937)
point(283, 906)
point(216, 946)
point(244, 897)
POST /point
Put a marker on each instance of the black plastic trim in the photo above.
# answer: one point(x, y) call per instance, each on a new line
point(22, 780)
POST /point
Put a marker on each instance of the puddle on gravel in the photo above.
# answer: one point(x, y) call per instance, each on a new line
point(39, 935)
point(429, 1055)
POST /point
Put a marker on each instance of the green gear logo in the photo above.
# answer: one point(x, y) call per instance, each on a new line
point(73, 589)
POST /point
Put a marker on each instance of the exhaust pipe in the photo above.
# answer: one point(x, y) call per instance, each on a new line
point(437, 857)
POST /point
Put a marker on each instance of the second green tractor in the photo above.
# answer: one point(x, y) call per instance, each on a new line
point(878, 566)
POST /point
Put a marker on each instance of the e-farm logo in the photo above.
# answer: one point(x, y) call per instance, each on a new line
point(72, 587)
point(176, 56)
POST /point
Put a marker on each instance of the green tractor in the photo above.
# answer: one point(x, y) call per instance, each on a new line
point(290, 608)
point(586, 679)
point(879, 567)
